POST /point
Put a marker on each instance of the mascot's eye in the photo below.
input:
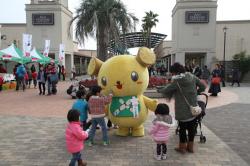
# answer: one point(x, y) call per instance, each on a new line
point(104, 81)
point(134, 76)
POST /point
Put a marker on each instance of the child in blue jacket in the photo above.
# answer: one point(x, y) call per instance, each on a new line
point(82, 106)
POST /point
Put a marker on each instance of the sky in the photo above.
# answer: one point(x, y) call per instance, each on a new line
point(13, 11)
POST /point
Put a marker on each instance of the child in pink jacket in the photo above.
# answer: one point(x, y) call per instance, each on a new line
point(160, 130)
point(75, 137)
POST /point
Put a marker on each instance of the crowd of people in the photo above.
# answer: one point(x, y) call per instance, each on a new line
point(185, 84)
point(46, 77)
point(46, 74)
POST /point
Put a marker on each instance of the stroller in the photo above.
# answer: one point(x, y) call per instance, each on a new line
point(74, 88)
point(202, 100)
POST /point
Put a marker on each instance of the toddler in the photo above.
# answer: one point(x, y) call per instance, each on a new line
point(160, 130)
point(96, 105)
point(75, 137)
point(81, 106)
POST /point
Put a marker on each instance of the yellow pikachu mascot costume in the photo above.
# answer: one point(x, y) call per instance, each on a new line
point(127, 77)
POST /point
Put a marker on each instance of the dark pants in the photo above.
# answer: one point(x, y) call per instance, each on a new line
point(161, 148)
point(41, 85)
point(223, 82)
point(187, 126)
point(35, 82)
point(28, 82)
point(84, 125)
point(20, 81)
point(237, 81)
point(63, 75)
point(1, 87)
point(59, 75)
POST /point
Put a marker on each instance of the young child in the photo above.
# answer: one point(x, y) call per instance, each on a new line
point(41, 77)
point(96, 105)
point(75, 137)
point(81, 105)
point(160, 130)
point(34, 78)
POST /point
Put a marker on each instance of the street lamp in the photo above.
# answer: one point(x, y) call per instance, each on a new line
point(224, 55)
point(225, 36)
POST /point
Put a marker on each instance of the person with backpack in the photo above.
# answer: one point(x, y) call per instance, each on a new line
point(20, 73)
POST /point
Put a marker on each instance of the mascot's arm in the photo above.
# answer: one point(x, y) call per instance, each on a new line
point(150, 103)
point(106, 110)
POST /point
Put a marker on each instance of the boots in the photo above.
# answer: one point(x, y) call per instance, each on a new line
point(190, 147)
point(182, 148)
point(82, 163)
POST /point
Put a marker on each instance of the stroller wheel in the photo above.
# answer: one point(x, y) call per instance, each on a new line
point(202, 139)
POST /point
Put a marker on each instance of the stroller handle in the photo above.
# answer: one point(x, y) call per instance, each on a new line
point(206, 96)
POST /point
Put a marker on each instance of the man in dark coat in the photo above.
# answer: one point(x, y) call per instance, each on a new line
point(235, 77)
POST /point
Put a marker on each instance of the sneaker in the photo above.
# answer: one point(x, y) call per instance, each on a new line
point(157, 157)
point(164, 156)
point(105, 143)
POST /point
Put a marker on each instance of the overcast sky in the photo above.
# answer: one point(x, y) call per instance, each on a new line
point(12, 11)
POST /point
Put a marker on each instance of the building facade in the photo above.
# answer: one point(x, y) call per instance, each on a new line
point(198, 39)
point(48, 20)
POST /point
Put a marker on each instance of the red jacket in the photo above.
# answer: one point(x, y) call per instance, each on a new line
point(34, 75)
point(1, 80)
point(74, 137)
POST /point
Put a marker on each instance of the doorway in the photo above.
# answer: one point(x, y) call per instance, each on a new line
point(194, 59)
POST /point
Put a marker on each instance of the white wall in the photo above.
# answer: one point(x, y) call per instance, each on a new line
point(12, 32)
point(237, 38)
point(193, 37)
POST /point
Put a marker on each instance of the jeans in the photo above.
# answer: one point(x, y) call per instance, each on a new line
point(101, 122)
point(49, 87)
point(75, 157)
point(190, 127)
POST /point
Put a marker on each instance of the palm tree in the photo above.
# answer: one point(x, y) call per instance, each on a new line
point(105, 19)
point(149, 21)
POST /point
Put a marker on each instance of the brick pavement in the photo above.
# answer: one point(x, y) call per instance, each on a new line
point(231, 124)
point(36, 137)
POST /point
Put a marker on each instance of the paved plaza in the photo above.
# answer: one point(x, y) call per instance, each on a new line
point(32, 133)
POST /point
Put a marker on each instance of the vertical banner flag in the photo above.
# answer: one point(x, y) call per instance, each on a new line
point(46, 48)
point(61, 52)
point(27, 43)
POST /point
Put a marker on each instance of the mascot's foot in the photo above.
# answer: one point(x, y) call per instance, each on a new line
point(138, 131)
point(122, 131)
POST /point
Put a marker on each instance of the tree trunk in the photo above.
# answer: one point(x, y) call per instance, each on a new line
point(149, 38)
point(102, 43)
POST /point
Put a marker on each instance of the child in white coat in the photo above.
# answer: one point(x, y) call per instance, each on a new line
point(160, 130)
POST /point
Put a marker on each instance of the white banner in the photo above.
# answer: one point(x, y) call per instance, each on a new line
point(27, 43)
point(46, 48)
point(61, 52)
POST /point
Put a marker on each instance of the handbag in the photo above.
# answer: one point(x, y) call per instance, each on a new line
point(215, 80)
point(195, 110)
